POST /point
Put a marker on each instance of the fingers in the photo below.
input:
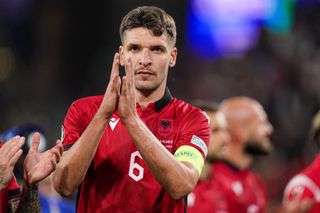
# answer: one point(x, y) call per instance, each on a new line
point(129, 72)
point(128, 79)
point(56, 152)
point(15, 158)
point(124, 86)
point(114, 76)
point(115, 65)
point(60, 146)
point(35, 142)
point(11, 147)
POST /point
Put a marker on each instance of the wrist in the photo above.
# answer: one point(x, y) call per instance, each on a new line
point(130, 120)
point(31, 191)
point(103, 115)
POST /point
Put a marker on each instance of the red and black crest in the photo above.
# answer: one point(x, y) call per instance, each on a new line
point(165, 127)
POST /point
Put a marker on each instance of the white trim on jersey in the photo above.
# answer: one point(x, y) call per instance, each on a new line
point(302, 181)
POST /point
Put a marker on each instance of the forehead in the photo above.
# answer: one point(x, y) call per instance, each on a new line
point(144, 36)
point(260, 114)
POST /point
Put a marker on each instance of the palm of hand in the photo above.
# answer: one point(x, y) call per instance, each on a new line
point(38, 166)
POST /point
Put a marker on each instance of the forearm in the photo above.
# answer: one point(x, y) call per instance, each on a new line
point(76, 161)
point(176, 177)
point(29, 201)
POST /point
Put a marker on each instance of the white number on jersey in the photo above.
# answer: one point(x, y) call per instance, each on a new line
point(136, 166)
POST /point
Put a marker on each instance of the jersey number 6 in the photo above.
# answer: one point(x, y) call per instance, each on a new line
point(139, 169)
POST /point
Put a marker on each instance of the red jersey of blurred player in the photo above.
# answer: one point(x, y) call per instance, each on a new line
point(8, 193)
point(228, 190)
point(306, 185)
point(230, 185)
point(118, 178)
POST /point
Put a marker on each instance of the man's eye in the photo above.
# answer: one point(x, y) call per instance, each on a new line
point(133, 48)
point(157, 49)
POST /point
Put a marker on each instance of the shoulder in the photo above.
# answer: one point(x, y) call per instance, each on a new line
point(189, 112)
point(84, 107)
point(86, 104)
point(301, 186)
point(88, 101)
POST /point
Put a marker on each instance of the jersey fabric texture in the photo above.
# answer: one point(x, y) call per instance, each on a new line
point(10, 192)
point(117, 179)
point(305, 185)
point(228, 190)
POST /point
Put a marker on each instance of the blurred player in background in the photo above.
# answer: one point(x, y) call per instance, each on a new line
point(302, 194)
point(233, 186)
point(137, 148)
point(37, 166)
point(203, 198)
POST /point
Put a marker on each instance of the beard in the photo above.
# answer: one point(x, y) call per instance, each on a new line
point(256, 148)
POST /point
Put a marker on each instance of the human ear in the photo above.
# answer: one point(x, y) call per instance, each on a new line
point(121, 56)
point(173, 57)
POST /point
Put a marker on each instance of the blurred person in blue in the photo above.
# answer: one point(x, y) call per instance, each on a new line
point(37, 166)
point(51, 201)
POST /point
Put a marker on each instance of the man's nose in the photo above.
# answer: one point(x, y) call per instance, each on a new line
point(145, 58)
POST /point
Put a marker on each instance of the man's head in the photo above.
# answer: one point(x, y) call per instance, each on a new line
point(153, 18)
point(248, 125)
point(148, 36)
point(315, 129)
point(219, 139)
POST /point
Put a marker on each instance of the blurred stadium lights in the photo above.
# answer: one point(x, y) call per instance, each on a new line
point(229, 28)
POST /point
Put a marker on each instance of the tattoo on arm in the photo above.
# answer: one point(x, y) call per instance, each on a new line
point(13, 204)
point(29, 201)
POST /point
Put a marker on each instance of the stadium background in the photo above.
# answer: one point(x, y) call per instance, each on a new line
point(53, 52)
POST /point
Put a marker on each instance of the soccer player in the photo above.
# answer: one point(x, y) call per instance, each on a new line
point(137, 148)
point(37, 166)
point(233, 186)
point(302, 194)
point(202, 199)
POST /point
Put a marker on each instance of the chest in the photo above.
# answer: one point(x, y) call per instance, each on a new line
point(116, 147)
point(245, 192)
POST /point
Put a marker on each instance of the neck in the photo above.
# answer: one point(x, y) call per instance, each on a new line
point(238, 157)
point(146, 97)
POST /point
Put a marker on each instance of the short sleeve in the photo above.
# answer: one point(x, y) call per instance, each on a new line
point(301, 187)
point(195, 131)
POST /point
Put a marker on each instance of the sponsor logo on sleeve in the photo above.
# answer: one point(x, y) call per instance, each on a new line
point(200, 143)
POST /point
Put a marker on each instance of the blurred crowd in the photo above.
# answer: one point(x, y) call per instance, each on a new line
point(53, 52)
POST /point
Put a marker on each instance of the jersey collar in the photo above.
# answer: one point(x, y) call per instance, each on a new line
point(164, 101)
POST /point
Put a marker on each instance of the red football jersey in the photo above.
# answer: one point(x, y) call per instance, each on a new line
point(228, 190)
point(305, 185)
point(8, 193)
point(118, 180)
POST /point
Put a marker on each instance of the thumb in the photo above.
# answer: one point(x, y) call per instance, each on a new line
point(35, 142)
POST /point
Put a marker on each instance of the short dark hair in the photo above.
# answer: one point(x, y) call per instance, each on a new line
point(152, 18)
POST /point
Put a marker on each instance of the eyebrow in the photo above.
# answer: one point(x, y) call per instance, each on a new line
point(151, 46)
